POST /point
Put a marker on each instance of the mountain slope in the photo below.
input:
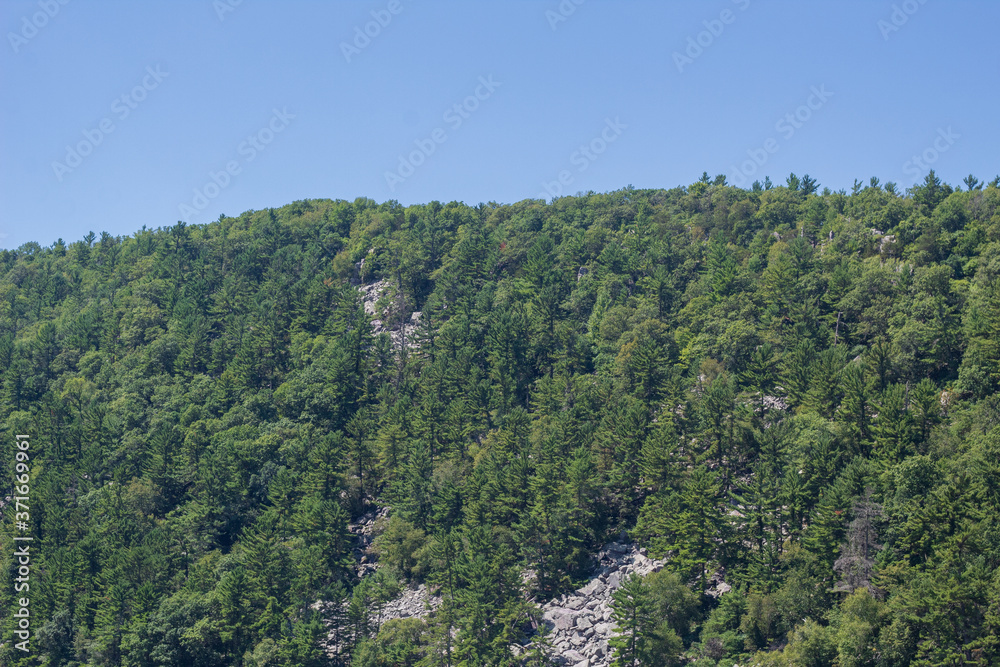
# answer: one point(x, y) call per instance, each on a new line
point(789, 390)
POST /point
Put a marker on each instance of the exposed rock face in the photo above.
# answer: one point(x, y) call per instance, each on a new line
point(580, 622)
point(412, 603)
point(396, 324)
point(371, 293)
point(364, 532)
point(717, 586)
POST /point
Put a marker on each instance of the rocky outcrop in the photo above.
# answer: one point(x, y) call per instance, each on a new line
point(580, 622)
point(399, 326)
point(412, 603)
point(363, 531)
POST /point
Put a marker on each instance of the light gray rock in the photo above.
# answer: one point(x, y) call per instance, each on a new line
point(595, 587)
point(580, 621)
point(565, 622)
point(553, 612)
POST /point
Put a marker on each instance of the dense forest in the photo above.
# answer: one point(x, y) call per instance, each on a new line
point(789, 390)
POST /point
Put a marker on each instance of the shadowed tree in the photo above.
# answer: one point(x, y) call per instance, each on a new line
point(857, 555)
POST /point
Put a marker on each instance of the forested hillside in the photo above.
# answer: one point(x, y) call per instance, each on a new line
point(790, 390)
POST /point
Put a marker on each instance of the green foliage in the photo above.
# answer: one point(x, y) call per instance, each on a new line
point(633, 613)
point(723, 373)
point(399, 644)
point(403, 547)
point(809, 645)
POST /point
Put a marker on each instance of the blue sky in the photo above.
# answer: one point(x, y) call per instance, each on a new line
point(115, 115)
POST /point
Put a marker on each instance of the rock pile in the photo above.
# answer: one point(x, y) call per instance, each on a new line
point(371, 293)
point(580, 622)
point(412, 603)
point(364, 533)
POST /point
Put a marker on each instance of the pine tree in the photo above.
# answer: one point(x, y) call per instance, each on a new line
point(633, 613)
point(687, 524)
point(857, 556)
point(893, 427)
point(760, 376)
point(797, 372)
point(825, 387)
point(855, 409)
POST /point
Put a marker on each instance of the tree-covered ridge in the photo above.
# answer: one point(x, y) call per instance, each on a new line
point(793, 388)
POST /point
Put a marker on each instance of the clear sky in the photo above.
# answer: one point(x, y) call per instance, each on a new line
point(115, 114)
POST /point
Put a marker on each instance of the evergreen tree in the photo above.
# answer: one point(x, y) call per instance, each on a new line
point(633, 613)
